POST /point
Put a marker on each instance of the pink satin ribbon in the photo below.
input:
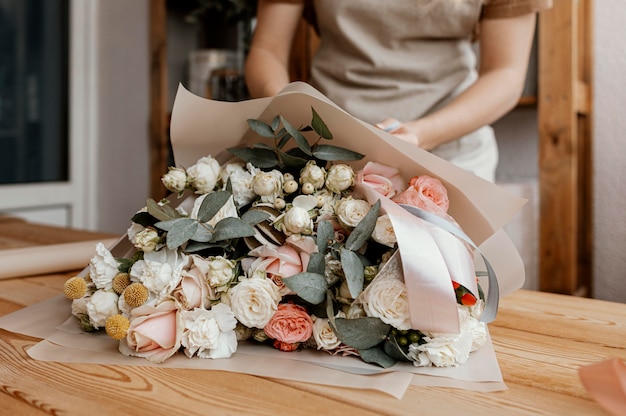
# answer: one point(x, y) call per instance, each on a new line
point(606, 382)
point(431, 258)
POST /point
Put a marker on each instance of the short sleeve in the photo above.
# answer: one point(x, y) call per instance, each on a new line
point(496, 9)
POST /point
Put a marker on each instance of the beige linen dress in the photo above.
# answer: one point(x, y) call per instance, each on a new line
point(404, 59)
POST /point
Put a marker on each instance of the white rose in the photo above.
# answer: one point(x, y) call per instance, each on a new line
point(324, 336)
point(103, 268)
point(146, 240)
point(175, 179)
point(159, 271)
point(209, 333)
point(240, 182)
point(101, 305)
point(226, 211)
point(79, 306)
point(351, 211)
point(383, 231)
point(297, 221)
point(340, 177)
point(221, 272)
point(204, 174)
point(444, 351)
point(254, 301)
point(470, 324)
point(313, 174)
point(387, 299)
point(326, 202)
point(268, 185)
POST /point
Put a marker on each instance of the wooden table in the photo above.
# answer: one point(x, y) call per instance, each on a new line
point(540, 339)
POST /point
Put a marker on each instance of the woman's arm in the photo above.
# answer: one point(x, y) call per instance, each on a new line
point(504, 52)
point(267, 64)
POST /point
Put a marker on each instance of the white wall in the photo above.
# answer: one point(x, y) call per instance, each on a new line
point(122, 85)
point(609, 150)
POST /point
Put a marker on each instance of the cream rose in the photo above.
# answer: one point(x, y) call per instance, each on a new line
point(209, 333)
point(340, 178)
point(351, 211)
point(146, 240)
point(383, 231)
point(240, 182)
point(387, 299)
point(203, 176)
point(268, 185)
point(160, 271)
point(101, 305)
point(297, 221)
point(325, 337)
point(175, 179)
point(254, 301)
point(220, 273)
point(103, 268)
point(313, 174)
point(443, 351)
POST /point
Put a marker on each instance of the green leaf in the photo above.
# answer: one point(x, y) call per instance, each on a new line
point(353, 270)
point(180, 232)
point(361, 333)
point(195, 246)
point(394, 350)
point(124, 264)
point(159, 212)
point(292, 161)
point(261, 158)
point(301, 141)
point(325, 234)
point(275, 123)
point(231, 227)
point(317, 264)
point(319, 126)
point(364, 229)
point(211, 204)
point(143, 218)
point(260, 128)
point(377, 356)
point(332, 153)
point(202, 234)
point(311, 287)
point(254, 216)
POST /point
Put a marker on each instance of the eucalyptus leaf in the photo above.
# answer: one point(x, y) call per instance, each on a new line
point(195, 246)
point(168, 225)
point(325, 234)
point(275, 123)
point(361, 333)
point(377, 355)
point(143, 218)
point(159, 212)
point(262, 146)
point(261, 158)
point(292, 161)
point(181, 231)
point(317, 264)
point(364, 229)
point(319, 126)
point(211, 204)
point(231, 227)
point(260, 128)
point(283, 137)
point(333, 153)
point(311, 287)
point(202, 234)
point(353, 270)
point(392, 349)
point(254, 216)
point(301, 141)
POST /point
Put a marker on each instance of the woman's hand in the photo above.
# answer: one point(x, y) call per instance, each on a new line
point(404, 131)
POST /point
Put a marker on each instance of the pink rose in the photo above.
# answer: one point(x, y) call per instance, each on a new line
point(154, 332)
point(193, 291)
point(383, 179)
point(427, 193)
point(284, 261)
point(291, 324)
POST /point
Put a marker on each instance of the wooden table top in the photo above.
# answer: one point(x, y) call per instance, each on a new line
point(540, 339)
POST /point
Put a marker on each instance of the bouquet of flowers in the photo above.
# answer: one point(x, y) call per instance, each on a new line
point(286, 243)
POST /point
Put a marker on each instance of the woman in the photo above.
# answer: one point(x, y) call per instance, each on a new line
point(409, 66)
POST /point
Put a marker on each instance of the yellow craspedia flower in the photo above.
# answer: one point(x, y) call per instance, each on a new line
point(75, 287)
point(116, 326)
point(120, 282)
point(135, 295)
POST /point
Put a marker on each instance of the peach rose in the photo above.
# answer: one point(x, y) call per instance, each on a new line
point(383, 179)
point(193, 290)
point(154, 332)
point(427, 193)
point(291, 324)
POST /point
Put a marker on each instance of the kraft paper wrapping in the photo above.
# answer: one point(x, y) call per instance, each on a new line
point(201, 127)
point(46, 259)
